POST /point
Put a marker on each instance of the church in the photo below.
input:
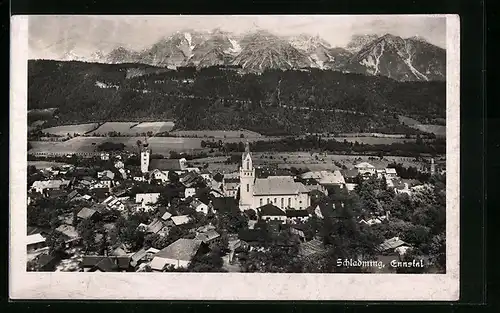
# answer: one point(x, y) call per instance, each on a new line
point(281, 191)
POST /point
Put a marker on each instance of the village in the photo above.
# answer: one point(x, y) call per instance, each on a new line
point(164, 215)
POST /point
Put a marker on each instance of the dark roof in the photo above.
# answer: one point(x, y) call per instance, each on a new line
point(165, 164)
point(225, 204)
point(72, 194)
point(106, 264)
point(33, 230)
point(99, 207)
point(297, 213)
point(271, 210)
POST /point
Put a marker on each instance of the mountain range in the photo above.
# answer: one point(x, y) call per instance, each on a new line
point(402, 59)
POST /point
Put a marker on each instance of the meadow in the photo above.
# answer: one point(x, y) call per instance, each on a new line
point(155, 127)
point(374, 140)
point(78, 129)
point(217, 133)
point(438, 130)
point(124, 128)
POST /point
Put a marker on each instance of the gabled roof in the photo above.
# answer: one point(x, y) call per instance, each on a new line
point(390, 170)
point(351, 173)
point(364, 165)
point(391, 244)
point(180, 219)
point(106, 263)
point(270, 210)
point(182, 249)
point(278, 185)
point(166, 216)
point(86, 213)
point(155, 226)
point(325, 177)
point(207, 236)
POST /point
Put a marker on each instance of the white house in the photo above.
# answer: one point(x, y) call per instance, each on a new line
point(390, 173)
point(160, 175)
point(178, 254)
point(106, 173)
point(113, 202)
point(104, 156)
point(41, 185)
point(147, 198)
point(189, 192)
point(200, 207)
point(119, 164)
point(365, 168)
point(139, 178)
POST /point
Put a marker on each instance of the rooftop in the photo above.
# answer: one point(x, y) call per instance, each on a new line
point(166, 164)
point(364, 165)
point(86, 213)
point(180, 219)
point(325, 177)
point(391, 244)
point(182, 249)
point(278, 185)
point(271, 210)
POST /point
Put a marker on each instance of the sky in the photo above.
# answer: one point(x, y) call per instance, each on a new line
point(51, 37)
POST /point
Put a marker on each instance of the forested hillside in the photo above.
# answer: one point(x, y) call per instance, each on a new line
point(293, 101)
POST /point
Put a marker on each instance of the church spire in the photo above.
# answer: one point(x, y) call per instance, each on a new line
point(247, 147)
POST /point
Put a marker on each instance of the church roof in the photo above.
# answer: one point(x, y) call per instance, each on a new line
point(278, 185)
point(165, 164)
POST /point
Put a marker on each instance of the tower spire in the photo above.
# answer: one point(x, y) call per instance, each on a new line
point(247, 147)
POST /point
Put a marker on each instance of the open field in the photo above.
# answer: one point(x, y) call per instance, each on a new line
point(119, 127)
point(155, 127)
point(45, 164)
point(218, 133)
point(374, 140)
point(438, 130)
point(305, 160)
point(80, 129)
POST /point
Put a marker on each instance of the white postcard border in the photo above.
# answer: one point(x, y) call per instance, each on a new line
point(226, 286)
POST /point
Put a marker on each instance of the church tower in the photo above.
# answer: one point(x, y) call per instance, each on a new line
point(145, 152)
point(433, 167)
point(247, 179)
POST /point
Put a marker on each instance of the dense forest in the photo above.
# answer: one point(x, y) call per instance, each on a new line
point(275, 102)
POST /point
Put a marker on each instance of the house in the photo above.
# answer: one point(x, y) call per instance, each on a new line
point(166, 216)
point(107, 173)
point(206, 174)
point(157, 226)
point(87, 213)
point(147, 199)
point(180, 219)
point(270, 212)
point(95, 263)
point(123, 172)
point(350, 176)
point(112, 202)
point(99, 194)
point(391, 244)
point(139, 178)
point(371, 221)
point(40, 186)
point(253, 237)
point(209, 237)
point(189, 192)
point(190, 179)
point(178, 254)
point(105, 156)
point(105, 182)
point(35, 242)
point(143, 255)
point(159, 175)
point(390, 173)
point(326, 178)
point(230, 186)
point(365, 169)
point(297, 215)
point(119, 164)
point(199, 206)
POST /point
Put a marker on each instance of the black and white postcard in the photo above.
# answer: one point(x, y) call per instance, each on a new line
point(246, 157)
